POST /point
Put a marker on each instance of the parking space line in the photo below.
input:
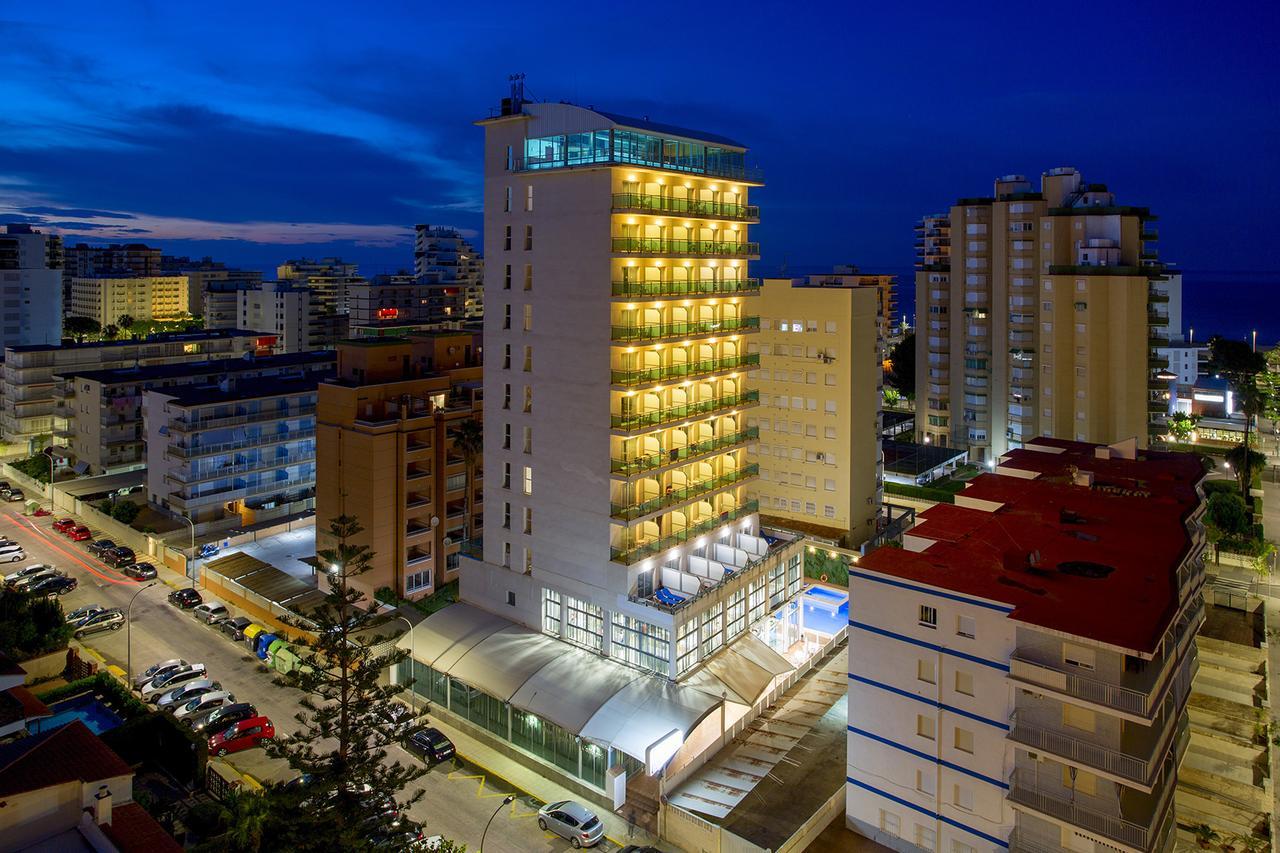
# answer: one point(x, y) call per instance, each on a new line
point(57, 546)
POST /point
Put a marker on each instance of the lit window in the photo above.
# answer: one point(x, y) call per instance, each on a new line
point(528, 480)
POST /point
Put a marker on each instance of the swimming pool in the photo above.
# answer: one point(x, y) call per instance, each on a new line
point(825, 610)
point(834, 596)
point(86, 708)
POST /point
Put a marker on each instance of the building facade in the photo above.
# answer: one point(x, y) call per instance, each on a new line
point(1020, 668)
point(85, 261)
point(818, 421)
point(206, 274)
point(1039, 313)
point(328, 279)
point(30, 287)
point(452, 272)
point(106, 298)
point(291, 313)
point(387, 441)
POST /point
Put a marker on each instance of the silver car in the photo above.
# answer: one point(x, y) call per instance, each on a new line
point(107, 620)
point(157, 670)
point(573, 821)
point(173, 699)
point(178, 677)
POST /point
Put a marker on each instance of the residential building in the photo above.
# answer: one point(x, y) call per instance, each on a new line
point(1040, 317)
point(1019, 669)
point(30, 287)
point(452, 271)
point(27, 387)
point(97, 420)
point(106, 298)
point(328, 279)
point(290, 311)
point(65, 789)
point(819, 416)
point(204, 274)
point(387, 301)
point(884, 285)
point(220, 303)
point(386, 429)
point(21, 713)
point(85, 261)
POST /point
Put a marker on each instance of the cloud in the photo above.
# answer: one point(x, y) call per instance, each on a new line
point(77, 211)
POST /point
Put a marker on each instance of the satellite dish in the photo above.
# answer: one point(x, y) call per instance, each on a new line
point(447, 541)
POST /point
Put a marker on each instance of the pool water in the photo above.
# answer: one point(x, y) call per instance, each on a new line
point(821, 592)
point(825, 610)
point(87, 709)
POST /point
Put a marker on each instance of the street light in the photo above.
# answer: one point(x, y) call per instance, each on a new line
point(128, 638)
point(506, 801)
point(191, 570)
point(413, 700)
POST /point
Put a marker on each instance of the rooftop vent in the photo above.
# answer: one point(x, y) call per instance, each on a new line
point(1069, 516)
point(1085, 569)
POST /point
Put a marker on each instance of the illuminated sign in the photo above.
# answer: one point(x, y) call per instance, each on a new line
point(388, 313)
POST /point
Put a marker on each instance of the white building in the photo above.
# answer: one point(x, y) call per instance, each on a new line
point(30, 287)
point(1019, 669)
point(289, 311)
point(451, 271)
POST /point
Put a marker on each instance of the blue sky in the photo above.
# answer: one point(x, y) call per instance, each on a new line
point(257, 132)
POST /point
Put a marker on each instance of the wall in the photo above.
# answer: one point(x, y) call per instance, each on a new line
point(45, 666)
point(30, 487)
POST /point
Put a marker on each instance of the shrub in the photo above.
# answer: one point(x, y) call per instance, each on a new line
point(1228, 513)
point(30, 625)
point(125, 512)
point(926, 493)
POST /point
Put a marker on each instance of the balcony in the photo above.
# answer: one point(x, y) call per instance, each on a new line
point(684, 330)
point(182, 425)
point(630, 467)
point(178, 451)
point(695, 287)
point(676, 414)
point(1136, 764)
point(267, 464)
point(700, 166)
point(640, 551)
point(685, 248)
point(1154, 295)
point(630, 512)
point(643, 376)
point(232, 493)
point(643, 203)
point(1139, 826)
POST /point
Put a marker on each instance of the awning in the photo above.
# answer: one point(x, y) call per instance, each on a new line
point(645, 711)
point(453, 630)
point(571, 688)
point(742, 672)
point(522, 653)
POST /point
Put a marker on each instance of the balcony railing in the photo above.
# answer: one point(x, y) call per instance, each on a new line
point(633, 554)
point(1087, 813)
point(1078, 750)
point(684, 330)
point(685, 248)
point(675, 414)
point(708, 165)
point(267, 464)
point(681, 454)
point(629, 511)
point(644, 375)
point(178, 451)
point(688, 287)
point(647, 203)
point(232, 493)
point(183, 425)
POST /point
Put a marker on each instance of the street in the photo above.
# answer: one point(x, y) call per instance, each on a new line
point(457, 803)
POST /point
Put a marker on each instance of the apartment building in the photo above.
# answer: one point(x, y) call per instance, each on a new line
point(452, 271)
point(387, 302)
point(239, 451)
point(85, 261)
point(97, 419)
point(290, 311)
point(386, 439)
point(1039, 314)
point(28, 383)
point(1019, 669)
point(885, 286)
point(30, 287)
point(206, 274)
point(818, 422)
point(328, 279)
point(108, 297)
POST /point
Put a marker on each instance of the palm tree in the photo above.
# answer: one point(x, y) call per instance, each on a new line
point(469, 439)
point(1237, 361)
point(125, 322)
point(110, 332)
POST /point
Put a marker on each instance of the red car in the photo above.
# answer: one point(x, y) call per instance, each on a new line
point(79, 533)
point(245, 734)
point(64, 525)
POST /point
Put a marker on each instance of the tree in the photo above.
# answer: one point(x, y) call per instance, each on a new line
point(469, 439)
point(110, 332)
point(1243, 463)
point(1181, 425)
point(80, 328)
point(1237, 361)
point(31, 625)
point(902, 365)
point(341, 745)
point(125, 321)
point(891, 397)
point(1228, 513)
point(125, 511)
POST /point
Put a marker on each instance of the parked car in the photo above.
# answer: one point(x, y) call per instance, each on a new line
point(82, 613)
point(63, 525)
point(185, 598)
point(6, 490)
point(400, 717)
point(158, 670)
point(234, 627)
point(210, 612)
point(220, 719)
point(119, 557)
point(99, 547)
point(243, 735)
point(205, 702)
point(107, 620)
point(12, 554)
point(26, 571)
point(25, 584)
point(15, 496)
point(184, 693)
point(140, 571)
point(79, 533)
point(157, 687)
point(5, 543)
point(573, 821)
point(56, 585)
point(431, 745)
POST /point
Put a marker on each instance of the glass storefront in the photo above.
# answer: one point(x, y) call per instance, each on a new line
point(629, 146)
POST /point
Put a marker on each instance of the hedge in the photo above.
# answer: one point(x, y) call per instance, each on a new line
point(125, 703)
point(926, 493)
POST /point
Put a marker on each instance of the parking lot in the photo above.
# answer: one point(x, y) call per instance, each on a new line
point(459, 800)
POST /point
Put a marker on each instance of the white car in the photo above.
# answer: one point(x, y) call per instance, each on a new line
point(12, 554)
point(153, 672)
point(204, 702)
point(23, 572)
point(157, 687)
point(184, 693)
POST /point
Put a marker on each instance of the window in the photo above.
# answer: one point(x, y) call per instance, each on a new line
point(641, 644)
point(528, 520)
point(964, 740)
point(962, 797)
point(506, 202)
point(1076, 717)
point(528, 560)
point(829, 432)
point(506, 316)
point(528, 318)
point(417, 581)
point(1079, 781)
point(964, 682)
point(528, 399)
point(1078, 656)
point(966, 627)
point(829, 485)
point(551, 612)
point(830, 407)
point(831, 327)
point(687, 646)
point(528, 238)
point(511, 598)
point(506, 356)
point(928, 616)
point(960, 846)
point(925, 781)
point(528, 359)
point(528, 439)
point(506, 396)
point(924, 726)
point(506, 515)
point(828, 511)
point(506, 554)
point(506, 436)
point(925, 671)
point(528, 197)
point(506, 239)
point(506, 277)
point(890, 823)
point(735, 614)
point(926, 837)
point(828, 379)
point(712, 630)
point(584, 623)
point(528, 480)
point(528, 277)
point(506, 475)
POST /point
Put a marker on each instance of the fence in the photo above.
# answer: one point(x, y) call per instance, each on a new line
point(219, 786)
point(29, 486)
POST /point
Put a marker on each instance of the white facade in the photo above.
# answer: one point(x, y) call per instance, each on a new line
point(280, 308)
point(30, 288)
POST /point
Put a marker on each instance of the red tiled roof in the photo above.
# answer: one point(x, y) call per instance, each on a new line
point(132, 829)
point(1131, 519)
point(8, 667)
point(32, 708)
point(69, 753)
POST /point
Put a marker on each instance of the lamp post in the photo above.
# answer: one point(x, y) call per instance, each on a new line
point(506, 801)
point(128, 638)
point(413, 699)
point(191, 570)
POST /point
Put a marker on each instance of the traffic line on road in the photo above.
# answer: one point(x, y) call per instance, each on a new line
point(116, 671)
point(73, 556)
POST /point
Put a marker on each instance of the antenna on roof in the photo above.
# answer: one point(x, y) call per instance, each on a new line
point(517, 91)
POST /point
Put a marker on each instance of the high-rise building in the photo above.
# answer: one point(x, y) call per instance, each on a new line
point(85, 261)
point(289, 311)
point(885, 286)
point(387, 302)
point(108, 297)
point(818, 421)
point(204, 274)
point(328, 279)
point(1038, 313)
point(1019, 669)
point(386, 440)
point(452, 271)
point(30, 286)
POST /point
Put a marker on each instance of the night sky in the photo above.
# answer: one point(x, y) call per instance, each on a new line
point(256, 133)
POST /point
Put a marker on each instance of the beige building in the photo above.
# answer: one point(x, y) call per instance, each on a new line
point(150, 297)
point(386, 442)
point(819, 416)
point(1038, 313)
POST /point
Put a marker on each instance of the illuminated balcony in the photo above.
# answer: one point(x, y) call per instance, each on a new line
point(695, 287)
point(634, 553)
point(642, 376)
point(639, 465)
point(632, 511)
point(644, 203)
point(650, 332)
point(685, 248)
point(676, 414)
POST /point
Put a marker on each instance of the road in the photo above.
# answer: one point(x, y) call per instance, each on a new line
point(457, 803)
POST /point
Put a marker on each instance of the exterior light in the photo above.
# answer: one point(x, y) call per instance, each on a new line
point(733, 264)
point(688, 225)
point(687, 303)
point(661, 181)
point(631, 177)
point(812, 550)
point(631, 263)
point(631, 220)
point(631, 306)
point(659, 222)
point(733, 227)
point(688, 264)
point(714, 187)
point(688, 185)
point(991, 463)
point(631, 393)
